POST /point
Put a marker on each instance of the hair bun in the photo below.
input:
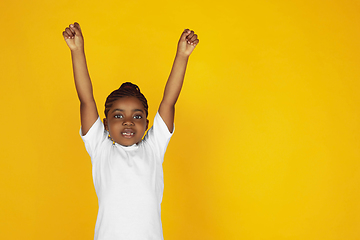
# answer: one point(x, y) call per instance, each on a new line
point(129, 85)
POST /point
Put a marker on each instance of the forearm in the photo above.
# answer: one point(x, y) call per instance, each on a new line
point(186, 45)
point(81, 76)
point(175, 81)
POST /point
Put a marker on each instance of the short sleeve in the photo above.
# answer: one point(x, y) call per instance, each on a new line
point(159, 135)
point(94, 137)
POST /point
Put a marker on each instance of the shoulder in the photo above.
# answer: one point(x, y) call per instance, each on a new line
point(158, 136)
point(94, 137)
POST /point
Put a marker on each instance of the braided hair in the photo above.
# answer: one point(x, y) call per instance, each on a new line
point(126, 89)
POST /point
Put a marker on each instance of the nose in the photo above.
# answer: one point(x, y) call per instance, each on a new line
point(128, 122)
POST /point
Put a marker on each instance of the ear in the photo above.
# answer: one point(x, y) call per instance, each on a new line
point(105, 124)
point(147, 124)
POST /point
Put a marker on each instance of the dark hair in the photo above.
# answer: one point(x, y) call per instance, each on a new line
point(127, 89)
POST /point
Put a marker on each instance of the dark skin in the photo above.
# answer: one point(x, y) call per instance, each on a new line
point(126, 121)
point(88, 110)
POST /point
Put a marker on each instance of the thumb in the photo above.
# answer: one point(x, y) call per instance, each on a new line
point(185, 33)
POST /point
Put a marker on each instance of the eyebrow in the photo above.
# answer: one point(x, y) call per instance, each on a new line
point(122, 110)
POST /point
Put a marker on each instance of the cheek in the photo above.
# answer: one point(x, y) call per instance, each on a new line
point(112, 126)
point(146, 122)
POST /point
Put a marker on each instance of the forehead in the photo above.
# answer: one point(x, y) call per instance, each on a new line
point(127, 103)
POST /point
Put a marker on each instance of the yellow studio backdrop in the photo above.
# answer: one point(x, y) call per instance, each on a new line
point(267, 140)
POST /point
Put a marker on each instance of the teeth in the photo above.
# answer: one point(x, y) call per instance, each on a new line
point(128, 134)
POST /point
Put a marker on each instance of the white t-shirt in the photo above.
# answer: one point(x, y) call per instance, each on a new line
point(129, 183)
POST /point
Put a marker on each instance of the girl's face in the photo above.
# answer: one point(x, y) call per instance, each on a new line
point(126, 121)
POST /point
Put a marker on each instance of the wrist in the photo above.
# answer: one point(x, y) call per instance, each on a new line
point(182, 56)
point(79, 50)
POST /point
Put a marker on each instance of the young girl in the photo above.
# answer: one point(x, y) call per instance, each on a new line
point(127, 171)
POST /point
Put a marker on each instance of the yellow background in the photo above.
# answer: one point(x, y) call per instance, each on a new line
point(267, 140)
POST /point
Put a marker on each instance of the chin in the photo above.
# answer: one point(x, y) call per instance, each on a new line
point(127, 144)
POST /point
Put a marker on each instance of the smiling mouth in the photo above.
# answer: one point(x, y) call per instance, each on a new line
point(127, 133)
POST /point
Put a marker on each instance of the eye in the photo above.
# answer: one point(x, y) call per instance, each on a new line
point(137, 116)
point(118, 116)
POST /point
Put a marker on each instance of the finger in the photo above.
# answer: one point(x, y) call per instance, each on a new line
point(193, 38)
point(69, 32)
point(190, 35)
point(65, 35)
point(76, 28)
point(71, 29)
point(195, 42)
point(77, 25)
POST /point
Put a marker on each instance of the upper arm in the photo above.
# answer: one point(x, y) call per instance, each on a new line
point(167, 113)
point(88, 115)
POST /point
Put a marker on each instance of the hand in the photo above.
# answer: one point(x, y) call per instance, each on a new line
point(73, 37)
point(187, 43)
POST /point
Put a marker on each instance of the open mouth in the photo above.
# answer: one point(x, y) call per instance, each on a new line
point(127, 133)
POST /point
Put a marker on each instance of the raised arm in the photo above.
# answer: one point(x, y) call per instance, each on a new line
point(186, 45)
point(88, 111)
